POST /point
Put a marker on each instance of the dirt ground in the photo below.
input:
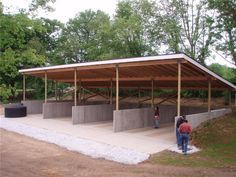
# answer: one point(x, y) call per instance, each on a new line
point(26, 157)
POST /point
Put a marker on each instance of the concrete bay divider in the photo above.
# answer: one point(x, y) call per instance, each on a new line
point(132, 118)
point(34, 106)
point(92, 113)
point(57, 109)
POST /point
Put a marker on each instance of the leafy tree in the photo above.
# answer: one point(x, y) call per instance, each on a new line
point(224, 71)
point(41, 4)
point(24, 43)
point(226, 26)
point(85, 37)
point(50, 40)
point(132, 29)
point(187, 27)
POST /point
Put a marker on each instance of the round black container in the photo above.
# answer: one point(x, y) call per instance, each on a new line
point(15, 110)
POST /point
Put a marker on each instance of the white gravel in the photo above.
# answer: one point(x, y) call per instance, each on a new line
point(191, 149)
point(84, 146)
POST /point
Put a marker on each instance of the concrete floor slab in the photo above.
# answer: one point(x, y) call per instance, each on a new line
point(147, 140)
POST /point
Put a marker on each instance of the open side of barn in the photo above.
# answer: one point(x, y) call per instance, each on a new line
point(176, 72)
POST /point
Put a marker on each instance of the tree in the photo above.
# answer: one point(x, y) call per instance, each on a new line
point(187, 27)
point(50, 40)
point(86, 37)
point(224, 71)
point(41, 4)
point(24, 43)
point(226, 27)
point(132, 32)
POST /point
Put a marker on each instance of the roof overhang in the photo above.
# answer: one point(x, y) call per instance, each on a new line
point(136, 72)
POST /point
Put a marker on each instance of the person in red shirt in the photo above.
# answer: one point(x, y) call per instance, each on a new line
point(184, 130)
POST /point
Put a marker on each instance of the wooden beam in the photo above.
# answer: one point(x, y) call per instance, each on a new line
point(149, 63)
point(111, 92)
point(96, 92)
point(23, 87)
point(152, 93)
point(209, 95)
point(117, 87)
point(145, 100)
point(45, 87)
point(179, 89)
point(159, 87)
point(139, 79)
point(166, 99)
point(75, 87)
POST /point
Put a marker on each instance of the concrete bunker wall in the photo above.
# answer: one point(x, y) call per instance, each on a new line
point(127, 119)
point(34, 106)
point(92, 113)
point(132, 118)
point(196, 119)
point(57, 109)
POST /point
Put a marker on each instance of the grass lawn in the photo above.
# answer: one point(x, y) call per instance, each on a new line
point(216, 139)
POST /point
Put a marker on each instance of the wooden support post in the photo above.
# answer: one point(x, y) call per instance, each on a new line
point(82, 93)
point(79, 95)
point(209, 95)
point(45, 86)
point(152, 93)
point(55, 88)
point(235, 98)
point(230, 98)
point(179, 89)
point(139, 95)
point(75, 87)
point(24, 87)
point(111, 92)
point(117, 87)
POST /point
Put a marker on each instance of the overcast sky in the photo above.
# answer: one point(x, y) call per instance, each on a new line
point(66, 9)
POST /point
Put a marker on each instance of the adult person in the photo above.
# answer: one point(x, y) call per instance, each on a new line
point(184, 130)
point(157, 117)
point(180, 120)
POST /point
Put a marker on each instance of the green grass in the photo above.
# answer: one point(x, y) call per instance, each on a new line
point(216, 139)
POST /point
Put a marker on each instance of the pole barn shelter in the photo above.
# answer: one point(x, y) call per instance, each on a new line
point(174, 71)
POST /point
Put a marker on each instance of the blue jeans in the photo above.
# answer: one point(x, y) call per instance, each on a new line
point(184, 140)
point(157, 124)
point(179, 142)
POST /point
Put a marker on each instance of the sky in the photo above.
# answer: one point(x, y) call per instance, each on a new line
point(66, 9)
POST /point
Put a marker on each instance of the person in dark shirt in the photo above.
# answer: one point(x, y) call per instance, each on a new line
point(178, 123)
point(184, 130)
point(157, 117)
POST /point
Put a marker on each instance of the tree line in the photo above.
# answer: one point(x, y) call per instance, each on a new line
point(199, 28)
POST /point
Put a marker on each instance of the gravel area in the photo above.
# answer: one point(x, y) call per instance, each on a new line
point(191, 149)
point(84, 146)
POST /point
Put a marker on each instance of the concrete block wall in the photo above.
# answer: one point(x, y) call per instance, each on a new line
point(168, 112)
point(91, 113)
point(57, 109)
point(132, 118)
point(34, 106)
point(186, 110)
point(196, 119)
